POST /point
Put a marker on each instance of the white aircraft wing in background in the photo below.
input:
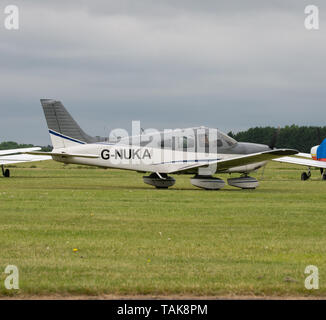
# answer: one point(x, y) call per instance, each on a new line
point(302, 162)
point(20, 158)
point(13, 156)
point(14, 151)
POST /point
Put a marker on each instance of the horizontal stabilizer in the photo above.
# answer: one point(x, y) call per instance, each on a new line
point(62, 154)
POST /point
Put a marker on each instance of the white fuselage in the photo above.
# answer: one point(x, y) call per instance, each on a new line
point(145, 159)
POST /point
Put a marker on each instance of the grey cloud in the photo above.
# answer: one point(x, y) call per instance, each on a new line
point(226, 64)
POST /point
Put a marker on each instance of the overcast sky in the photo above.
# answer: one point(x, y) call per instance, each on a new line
point(224, 64)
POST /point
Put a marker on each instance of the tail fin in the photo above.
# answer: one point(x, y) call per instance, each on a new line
point(64, 130)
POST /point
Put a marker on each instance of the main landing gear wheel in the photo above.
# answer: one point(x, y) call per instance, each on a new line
point(305, 176)
point(244, 182)
point(207, 182)
point(5, 173)
point(323, 173)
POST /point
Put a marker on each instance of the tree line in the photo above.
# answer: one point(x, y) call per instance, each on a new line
point(7, 145)
point(301, 138)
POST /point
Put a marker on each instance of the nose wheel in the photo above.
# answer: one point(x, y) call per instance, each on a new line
point(159, 180)
point(5, 172)
point(306, 175)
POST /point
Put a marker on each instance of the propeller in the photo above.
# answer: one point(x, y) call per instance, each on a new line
point(274, 139)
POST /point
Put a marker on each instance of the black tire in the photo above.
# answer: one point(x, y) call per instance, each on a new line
point(324, 176)
point(304, 176)
point(7, 173)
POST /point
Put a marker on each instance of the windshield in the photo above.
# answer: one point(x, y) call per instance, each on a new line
point(200, 139)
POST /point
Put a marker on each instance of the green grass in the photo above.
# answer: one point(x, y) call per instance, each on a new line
point(133, 239)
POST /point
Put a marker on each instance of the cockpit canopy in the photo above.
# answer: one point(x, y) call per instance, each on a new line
point(197, 139)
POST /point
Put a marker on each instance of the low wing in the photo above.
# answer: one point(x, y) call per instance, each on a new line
point(239, 160)
point(303, 162)
point(65, 155)
point(14, 151)
point(22, 158)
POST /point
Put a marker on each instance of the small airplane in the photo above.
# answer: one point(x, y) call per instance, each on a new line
point(316, 159)
point(14, 156)
point(200, 151)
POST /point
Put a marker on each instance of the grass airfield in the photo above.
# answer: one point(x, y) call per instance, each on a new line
point(133, 240)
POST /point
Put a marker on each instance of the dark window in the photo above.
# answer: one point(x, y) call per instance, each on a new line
point(219, 143)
